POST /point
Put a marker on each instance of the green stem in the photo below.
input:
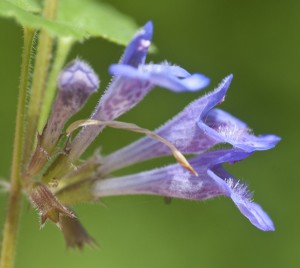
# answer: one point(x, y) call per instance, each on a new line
point(40, 76)
point(64, 45)
point(14, 202)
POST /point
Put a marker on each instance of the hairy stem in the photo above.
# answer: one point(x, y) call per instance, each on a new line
point(40, 76)
point(14, 202)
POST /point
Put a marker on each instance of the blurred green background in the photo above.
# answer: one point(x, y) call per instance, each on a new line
point(257, 41)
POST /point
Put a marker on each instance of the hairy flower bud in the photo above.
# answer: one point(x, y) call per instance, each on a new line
point(76, 83)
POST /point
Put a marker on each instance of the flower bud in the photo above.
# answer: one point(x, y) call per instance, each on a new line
point(76, 83)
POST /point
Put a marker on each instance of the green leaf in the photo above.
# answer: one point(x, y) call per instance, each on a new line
point(11, 9)
point(28, 5)
point(97, 19)
point(76, 19)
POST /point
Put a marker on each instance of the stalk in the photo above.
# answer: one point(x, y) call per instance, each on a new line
point(15, 200)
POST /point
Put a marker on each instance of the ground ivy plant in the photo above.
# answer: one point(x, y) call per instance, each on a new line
point(47, 166)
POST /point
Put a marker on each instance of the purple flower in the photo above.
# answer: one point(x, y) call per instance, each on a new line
point(132, 81)
point(194, 131)
point(175, 181)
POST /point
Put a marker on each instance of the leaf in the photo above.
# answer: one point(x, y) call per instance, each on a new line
point(97, 19)
point(76, 19)
point(10, 9)
point(28, 5)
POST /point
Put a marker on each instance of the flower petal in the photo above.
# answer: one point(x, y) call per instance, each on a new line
point(226, 128)
point(165, 67)
point(162, 75)
point(251, 210)
point(136, 51)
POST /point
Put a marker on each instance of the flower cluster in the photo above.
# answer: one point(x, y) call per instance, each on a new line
point(56, 179)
